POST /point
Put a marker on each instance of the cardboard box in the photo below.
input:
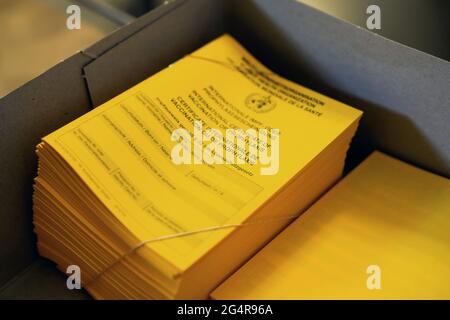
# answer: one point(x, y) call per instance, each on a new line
point(403, 92)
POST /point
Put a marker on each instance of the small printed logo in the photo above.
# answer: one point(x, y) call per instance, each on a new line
point(373, 22)
point(73, 21)
point(260, 103)
point(374, 279)
point(74, 280)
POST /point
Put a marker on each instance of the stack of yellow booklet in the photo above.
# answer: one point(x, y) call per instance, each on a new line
point(166, 189)
point(383, 232)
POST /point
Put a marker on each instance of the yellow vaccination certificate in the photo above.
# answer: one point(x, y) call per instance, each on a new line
point(123, 150)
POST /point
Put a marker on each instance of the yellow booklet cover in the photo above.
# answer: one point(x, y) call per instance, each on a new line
point(382, 233)
point(123, 150)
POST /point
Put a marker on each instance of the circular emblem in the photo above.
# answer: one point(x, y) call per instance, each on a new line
point(260, 103)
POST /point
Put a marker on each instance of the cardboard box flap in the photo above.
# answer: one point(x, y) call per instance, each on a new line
point(170, 35)
point(403, 92)
point(121, 34)
point(37, 108)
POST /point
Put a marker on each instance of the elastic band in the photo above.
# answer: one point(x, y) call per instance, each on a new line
point(179, 235)
point(229, 65)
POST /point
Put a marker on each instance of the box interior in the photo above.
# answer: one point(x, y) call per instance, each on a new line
point(403, 92)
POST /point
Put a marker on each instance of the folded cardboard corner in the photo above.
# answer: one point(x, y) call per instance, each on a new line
point(403, 92)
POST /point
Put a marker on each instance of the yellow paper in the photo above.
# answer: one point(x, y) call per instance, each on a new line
point(381, 233)
point(122, 148)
